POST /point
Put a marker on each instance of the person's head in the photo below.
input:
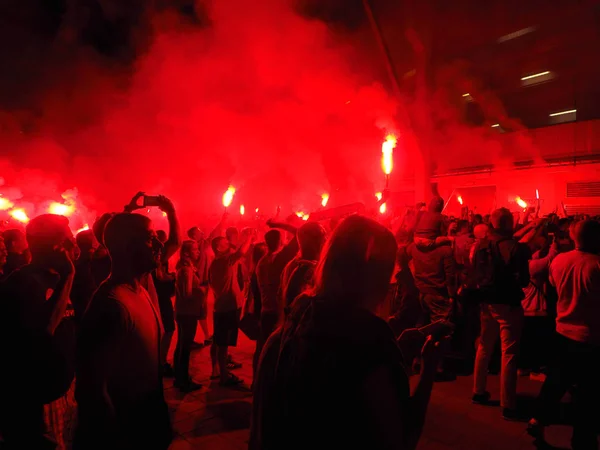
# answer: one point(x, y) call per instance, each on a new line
point(273, 240)
point(85, 241)
point(436, 204)
point(486, 219)
point(357, 264)
point(233, 235)
point(100, 225)
point(311, 238)
point(195, 234)
point(563, 225)
point(220, 246)
point(258, 252)
point(502, 221)
point(477, 219)
point(162, 236)
point(48, 236)
point(132, 244)
point(587, 236)
point(3, 253)
point(189, 253)
point(452, 228)
point(15, 241)
point(462, 227)
point(481, 231)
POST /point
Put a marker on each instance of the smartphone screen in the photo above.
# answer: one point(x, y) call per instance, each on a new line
point(151, 200)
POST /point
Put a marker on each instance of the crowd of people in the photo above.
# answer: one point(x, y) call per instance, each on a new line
point(343, 313)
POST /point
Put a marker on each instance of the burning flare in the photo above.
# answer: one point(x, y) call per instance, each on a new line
point(300, 214)
point(460, 200)
point(305, 217)
point(387, 150)
point(60, 209)
point(5, 204)
point(256, 210)
point(537, 194)
point(379, 195)
point(228, 196)
point(324, 199)
point(83, 228)
point(242, 210)
point(19, 214)
point(383, 208)
point(522, 203)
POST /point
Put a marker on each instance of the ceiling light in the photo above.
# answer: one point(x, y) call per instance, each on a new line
point(535, 75)
point(516, 34)
point(562, 113)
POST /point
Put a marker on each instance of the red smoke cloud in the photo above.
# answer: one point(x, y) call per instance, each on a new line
point(262, 99)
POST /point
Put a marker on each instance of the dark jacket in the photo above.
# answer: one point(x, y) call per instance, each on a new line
point(434, 270)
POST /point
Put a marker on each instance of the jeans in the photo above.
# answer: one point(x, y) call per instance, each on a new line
point(575, 363)
point(507, 322)
point(186, 328)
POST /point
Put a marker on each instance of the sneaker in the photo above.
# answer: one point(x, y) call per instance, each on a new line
point(512, 415)
point(168, 371)
point(189, 386)
point(535, 429)
point(481, 399)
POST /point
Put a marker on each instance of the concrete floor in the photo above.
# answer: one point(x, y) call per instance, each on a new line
point(218, 418)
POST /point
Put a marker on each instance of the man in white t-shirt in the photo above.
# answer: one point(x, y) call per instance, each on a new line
point(576, 276)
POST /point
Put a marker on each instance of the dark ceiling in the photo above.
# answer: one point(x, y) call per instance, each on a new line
point(461, 36)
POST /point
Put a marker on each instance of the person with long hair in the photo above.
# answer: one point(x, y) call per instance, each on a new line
point(190, 303)
point(335, 366)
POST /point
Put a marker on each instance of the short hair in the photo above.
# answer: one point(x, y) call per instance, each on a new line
point(587, 235)
point(186, 247)
point(11, 237)
point(85, 239)
point(121, 229)
point(502, 220)
point(100, 225)
point(46, 231)
point(215, 243)
point(191, 232)
point(311, 237)
point(273, 240)
point(477, 218)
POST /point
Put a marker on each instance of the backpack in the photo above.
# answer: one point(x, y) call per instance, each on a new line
point(493, 278)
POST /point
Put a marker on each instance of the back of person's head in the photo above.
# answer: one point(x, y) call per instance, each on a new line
point(462, 227)
point(477, 219)
point(162, 236)
point(218, 244)
point(273, 240)
point(311, 238)
point(563, 224)
point(481, 231)
point(258, 252)
point(100, 225)
point(357, 264)
point(502, 221)
point(47, 232)
point(587, 236)
point(486, 218)
point(193, 233)
point(125, 234)
point(436, 204)
point(186, 250)
point(85, 240)
point(15, 241)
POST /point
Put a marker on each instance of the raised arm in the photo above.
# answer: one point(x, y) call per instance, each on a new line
point(174, 240)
